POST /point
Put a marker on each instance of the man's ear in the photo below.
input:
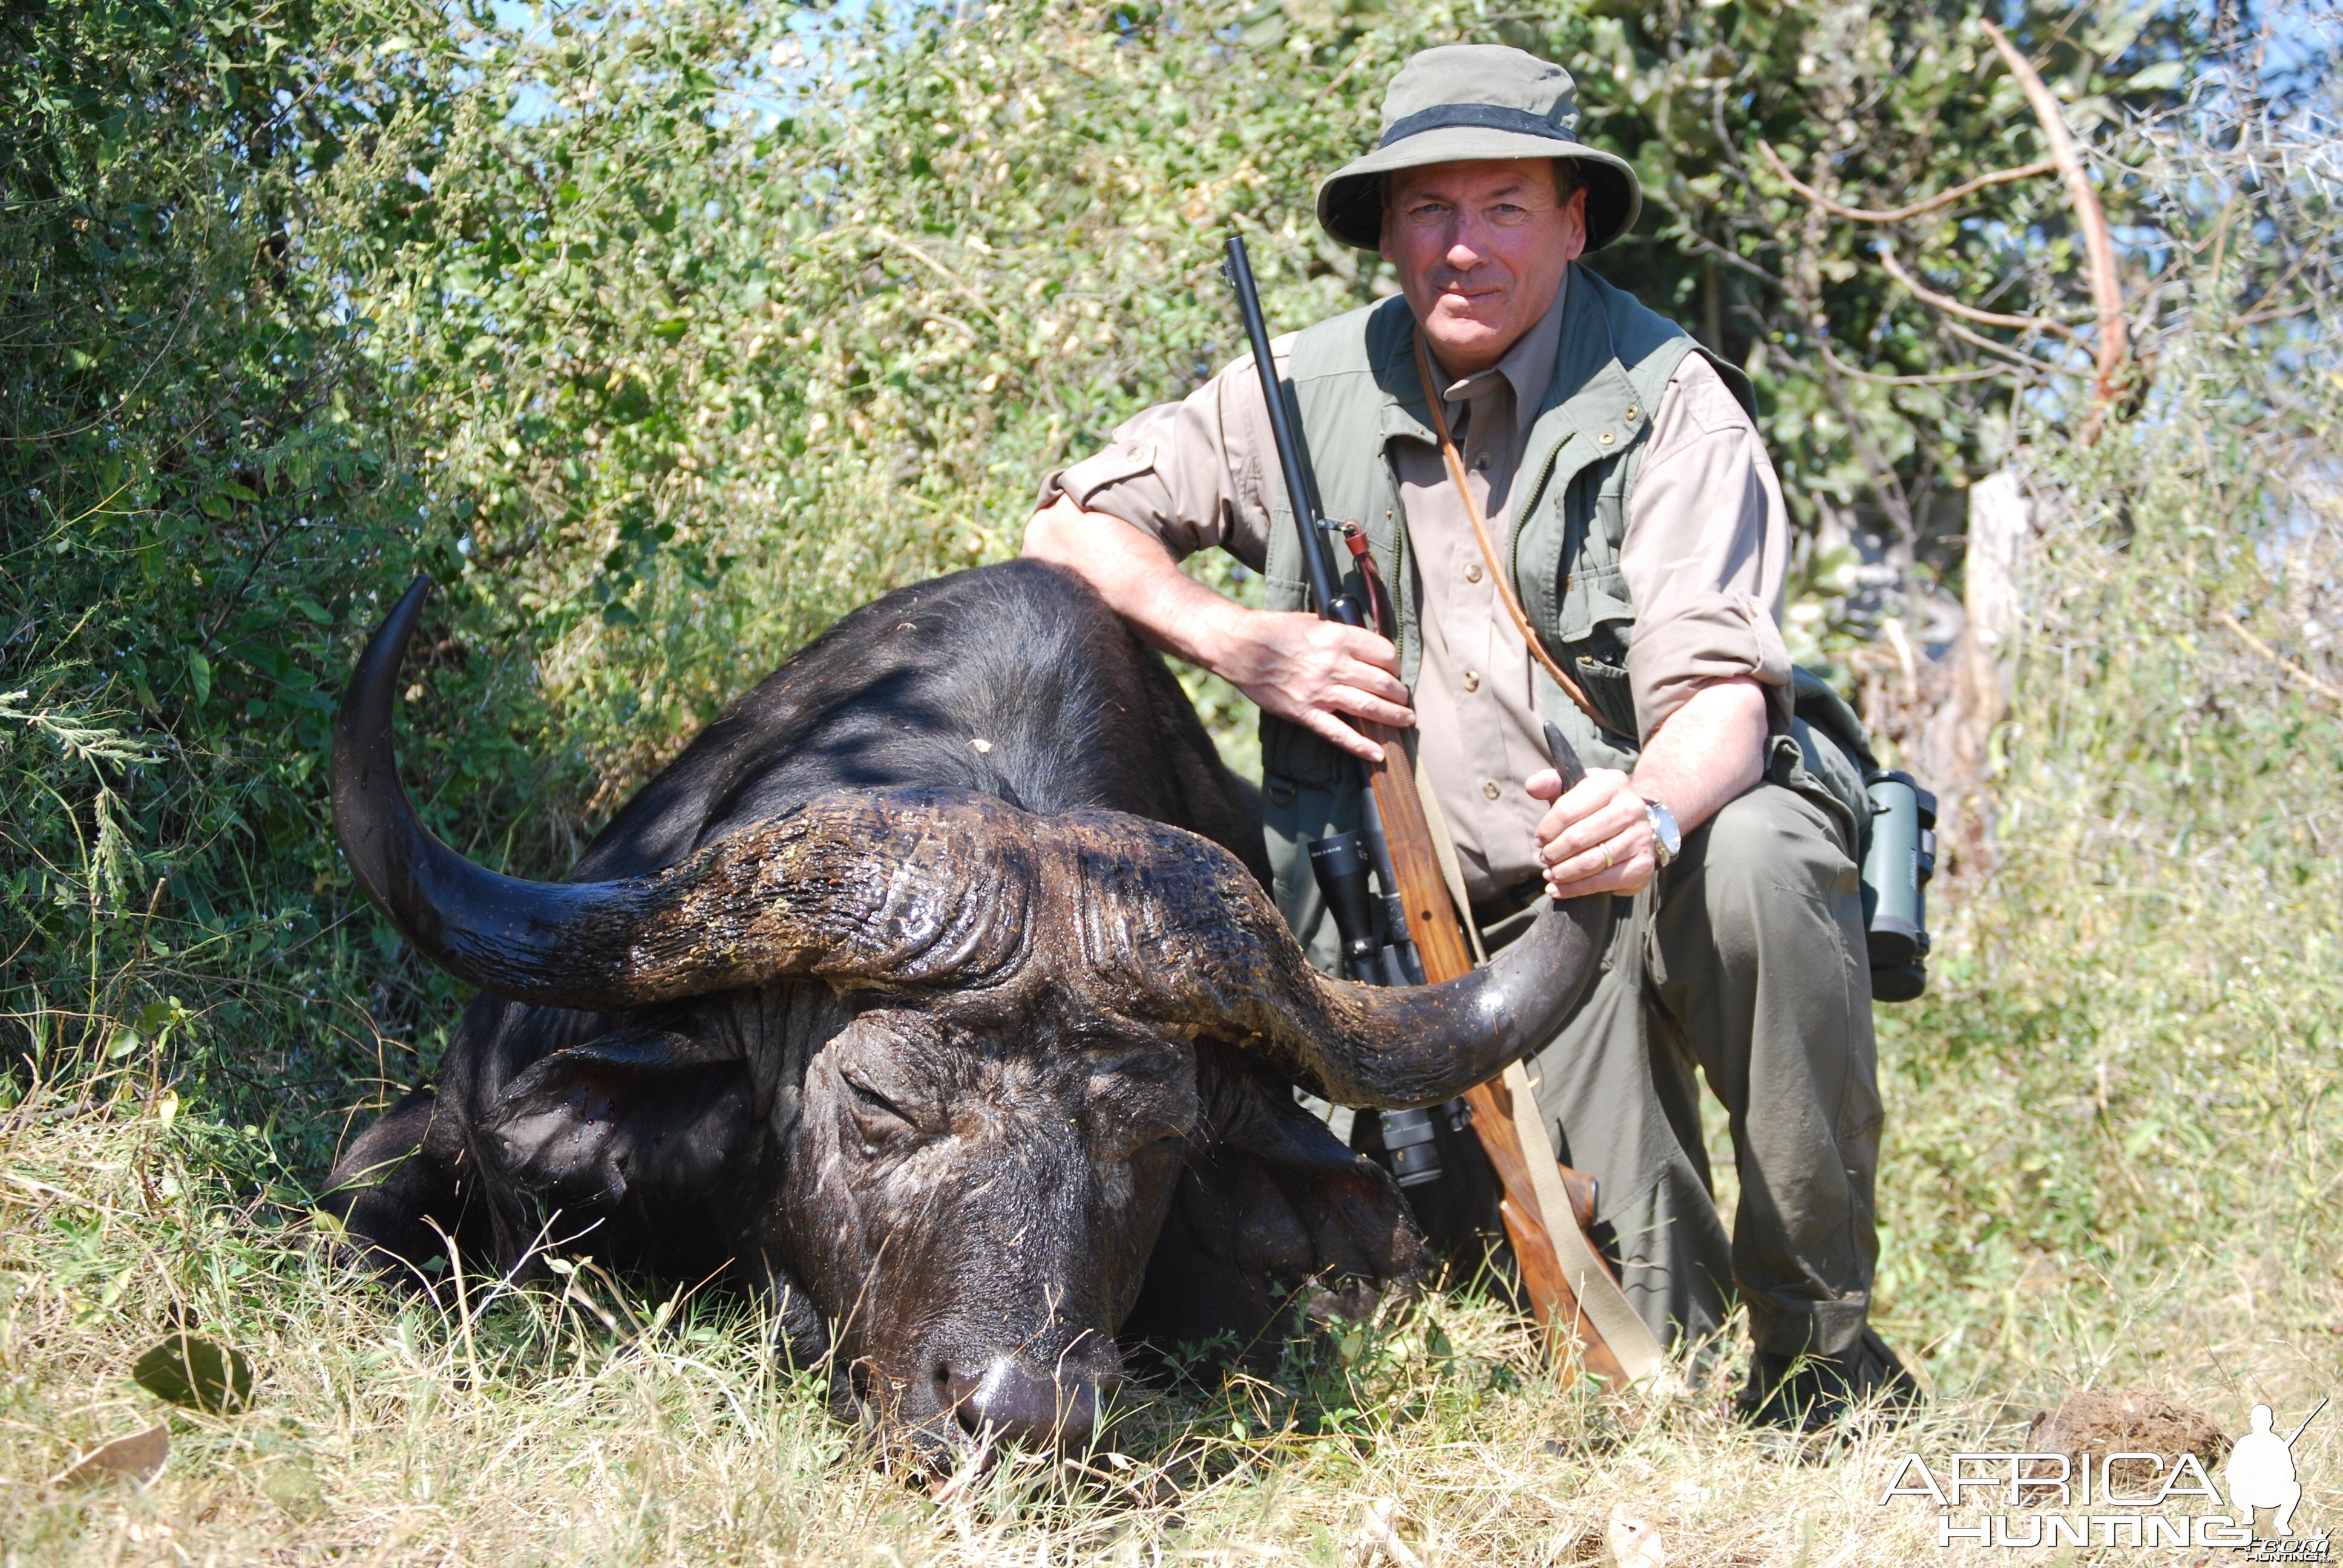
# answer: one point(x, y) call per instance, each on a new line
point(1574, 224)
point(636, 1109)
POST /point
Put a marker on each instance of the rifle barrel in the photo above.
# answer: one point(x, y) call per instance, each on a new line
point(1301, 489)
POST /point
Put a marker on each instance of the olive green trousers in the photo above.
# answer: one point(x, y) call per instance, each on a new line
point(1744, 962)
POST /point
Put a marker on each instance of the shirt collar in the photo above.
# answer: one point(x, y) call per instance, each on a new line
point(1527, 367)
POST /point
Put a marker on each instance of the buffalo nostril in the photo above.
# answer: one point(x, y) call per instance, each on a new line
point(1014, 1403)
point(957, 1392)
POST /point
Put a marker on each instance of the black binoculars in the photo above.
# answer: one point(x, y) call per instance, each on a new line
point(1896, 867)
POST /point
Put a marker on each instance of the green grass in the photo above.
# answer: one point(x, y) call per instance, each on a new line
point(600, 1423)
point(645, 458)
point(2114, 1159)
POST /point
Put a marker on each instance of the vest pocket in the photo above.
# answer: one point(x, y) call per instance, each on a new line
point(1294, 815)
point(1291, 756)
point(1610, 693)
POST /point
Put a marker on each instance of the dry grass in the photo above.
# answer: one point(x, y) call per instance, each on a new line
point(604, 1426)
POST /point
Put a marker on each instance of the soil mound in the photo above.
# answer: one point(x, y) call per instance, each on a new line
point(2103, 1422)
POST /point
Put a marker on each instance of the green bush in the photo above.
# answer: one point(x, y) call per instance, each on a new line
point(658, 335)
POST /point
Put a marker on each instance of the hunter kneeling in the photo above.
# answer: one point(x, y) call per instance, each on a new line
point(1641, 528)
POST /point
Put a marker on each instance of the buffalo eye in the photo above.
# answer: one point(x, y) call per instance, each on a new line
point(879, 1119)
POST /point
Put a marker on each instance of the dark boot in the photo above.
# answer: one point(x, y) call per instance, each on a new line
point(1809, 1393)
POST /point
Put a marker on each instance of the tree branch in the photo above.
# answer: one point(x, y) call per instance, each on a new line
point(1951, 306)
point(2099, 246)
point(1943, 378)
point(1899, 213)
point(2300, 676)
point(2018, 360)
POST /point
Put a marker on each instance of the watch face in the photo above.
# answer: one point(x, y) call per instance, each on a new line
point(1663, 830)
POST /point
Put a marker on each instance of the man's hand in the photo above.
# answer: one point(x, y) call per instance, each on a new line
point(1597, 838)
point(1319, 674)
point(1316, 673)
point(1703, 754)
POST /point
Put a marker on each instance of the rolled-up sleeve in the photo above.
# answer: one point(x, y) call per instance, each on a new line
point(1194, 474)
point(1707, 552)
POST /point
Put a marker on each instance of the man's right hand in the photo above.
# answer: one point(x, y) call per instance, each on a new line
point(1317, 674)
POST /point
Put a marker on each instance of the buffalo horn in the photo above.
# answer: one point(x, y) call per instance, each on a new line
point(1222, 962)
point(863, 888)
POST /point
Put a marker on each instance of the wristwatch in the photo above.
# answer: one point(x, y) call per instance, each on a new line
point(1667, 841)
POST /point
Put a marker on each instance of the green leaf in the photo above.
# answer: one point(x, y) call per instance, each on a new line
point(199, 678)
point(2160, 78)
point(313, 611)
point(198, 1374)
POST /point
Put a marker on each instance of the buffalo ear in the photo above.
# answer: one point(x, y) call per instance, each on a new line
point(1273, 1217)
point(646, 1111)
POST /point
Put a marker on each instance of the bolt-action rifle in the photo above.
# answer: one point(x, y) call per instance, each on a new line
point(1419, 940)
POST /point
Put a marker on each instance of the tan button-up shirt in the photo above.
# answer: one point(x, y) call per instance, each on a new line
point(1707, 551)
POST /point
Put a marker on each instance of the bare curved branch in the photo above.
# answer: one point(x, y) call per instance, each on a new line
point(2294, 672)
point(1899, 213)
point(2099, 245)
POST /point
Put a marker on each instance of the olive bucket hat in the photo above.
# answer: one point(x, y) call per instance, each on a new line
point(1463, 102)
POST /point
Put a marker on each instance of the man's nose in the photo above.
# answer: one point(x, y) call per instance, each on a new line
point(1465, 250)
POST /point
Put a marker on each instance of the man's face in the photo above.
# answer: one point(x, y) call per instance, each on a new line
point(1481, 249)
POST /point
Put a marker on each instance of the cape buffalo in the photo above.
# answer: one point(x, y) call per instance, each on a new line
point(934, 989)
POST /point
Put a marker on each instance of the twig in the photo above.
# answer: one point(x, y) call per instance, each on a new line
point(2099, 246)
point(2302, 677)
point(1897, 215)
point(1943, 379)
point(1951, 306)
point(959, 285)
point(2018, 359)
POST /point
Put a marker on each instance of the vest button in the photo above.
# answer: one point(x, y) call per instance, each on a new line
point(1472, 680)
point(1604, 438)
point(1472, 572)
point(1491, 790)
point(1631, 412)
point(1482, 462)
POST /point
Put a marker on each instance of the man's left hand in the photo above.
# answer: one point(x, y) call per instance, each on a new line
point(1597, 838)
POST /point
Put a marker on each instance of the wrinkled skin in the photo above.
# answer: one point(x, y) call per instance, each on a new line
point(972, 1196)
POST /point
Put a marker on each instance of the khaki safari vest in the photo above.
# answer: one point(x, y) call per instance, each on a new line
point(1353, 380)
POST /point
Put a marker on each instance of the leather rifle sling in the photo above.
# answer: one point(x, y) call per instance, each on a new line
point(1545, 661)
point(1605, 1305)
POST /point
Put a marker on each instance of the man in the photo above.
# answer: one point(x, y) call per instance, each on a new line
point(1639, 520)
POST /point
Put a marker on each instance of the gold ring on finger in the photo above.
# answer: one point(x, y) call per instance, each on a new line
point(1606, 857)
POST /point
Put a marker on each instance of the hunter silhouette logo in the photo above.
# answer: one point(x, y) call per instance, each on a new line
point(2260, 1472)
point(2120, 1491)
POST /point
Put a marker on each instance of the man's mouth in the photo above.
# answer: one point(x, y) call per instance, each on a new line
point(1470, 300)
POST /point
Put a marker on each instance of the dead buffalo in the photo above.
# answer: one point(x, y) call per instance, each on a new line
point(933, 989)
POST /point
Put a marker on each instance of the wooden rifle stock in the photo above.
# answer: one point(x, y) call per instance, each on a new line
point(1440, 944)
point(1408, 865)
